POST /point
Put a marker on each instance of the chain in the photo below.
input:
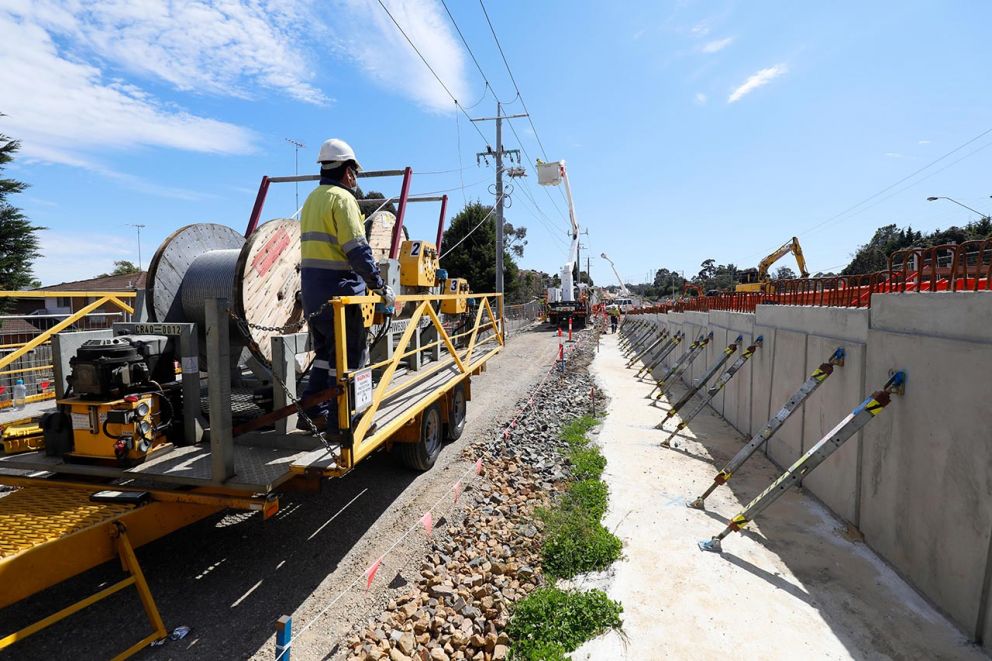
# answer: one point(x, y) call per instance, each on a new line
point(244, 326)
point(288, 328)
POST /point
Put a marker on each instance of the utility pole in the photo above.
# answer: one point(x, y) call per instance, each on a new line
point(498, 155)
point(138, 227)
point(297, 146)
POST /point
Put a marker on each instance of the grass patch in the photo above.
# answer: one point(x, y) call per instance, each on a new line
point(579, 545)
point(588, 496)
point(588, 463)
point(575, 541)
point(574, 433)
point(551, 622)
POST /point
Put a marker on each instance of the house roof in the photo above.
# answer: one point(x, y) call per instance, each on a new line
point(126, 282)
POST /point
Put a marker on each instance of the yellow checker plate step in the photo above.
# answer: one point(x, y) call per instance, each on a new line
point(29, 517)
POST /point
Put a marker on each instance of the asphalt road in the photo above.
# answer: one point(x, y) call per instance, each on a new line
point(230, 576)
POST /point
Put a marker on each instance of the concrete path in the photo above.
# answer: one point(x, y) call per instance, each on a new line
point(793, 586)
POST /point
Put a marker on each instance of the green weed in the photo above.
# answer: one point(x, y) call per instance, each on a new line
point(587, 463)
point(550, 622)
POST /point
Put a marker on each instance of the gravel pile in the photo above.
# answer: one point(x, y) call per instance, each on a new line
point(478, 567)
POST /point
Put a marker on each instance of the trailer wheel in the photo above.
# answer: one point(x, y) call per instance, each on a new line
point(456, 417)
point(422, 454)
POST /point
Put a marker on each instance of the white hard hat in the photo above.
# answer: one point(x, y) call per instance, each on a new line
point(335, 152)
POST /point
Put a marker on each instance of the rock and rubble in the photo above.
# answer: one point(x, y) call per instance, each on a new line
point(458, 603)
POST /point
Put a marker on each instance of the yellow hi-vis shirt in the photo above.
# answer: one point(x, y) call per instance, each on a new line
point(335, 257)
point(331, 224)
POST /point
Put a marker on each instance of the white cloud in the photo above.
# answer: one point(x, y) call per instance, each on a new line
point(923, 142)
point(701, 29)
point(64, 110)
point(756, 80)
point(893, 154)
point(67, 256)
point(225, 47)
point(716, 45)
point(385, 55)
point(701, 99)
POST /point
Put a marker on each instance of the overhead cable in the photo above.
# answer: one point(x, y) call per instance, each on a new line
point(471, 231)
point(891, 186)
point(428, 65)
point(512, 79)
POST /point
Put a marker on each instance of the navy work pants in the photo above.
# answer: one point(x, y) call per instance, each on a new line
point(323, 373)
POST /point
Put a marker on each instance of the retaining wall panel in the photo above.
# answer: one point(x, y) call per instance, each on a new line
point(927, 484)
point(761, 380)
point(836, 481)
point(789, 372)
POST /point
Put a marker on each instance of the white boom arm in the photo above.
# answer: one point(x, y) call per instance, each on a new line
point(623, 288)
point(551, 174)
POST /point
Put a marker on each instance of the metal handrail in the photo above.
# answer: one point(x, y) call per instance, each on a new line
point(466, 361)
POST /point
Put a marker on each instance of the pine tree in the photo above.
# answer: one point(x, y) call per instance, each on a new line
point(18, 241)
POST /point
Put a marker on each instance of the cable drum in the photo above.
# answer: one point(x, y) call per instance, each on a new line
point(260, 277)
point(211, 275)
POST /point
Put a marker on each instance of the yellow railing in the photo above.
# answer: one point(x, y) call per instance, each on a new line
point(67, 320)
point(467, 360)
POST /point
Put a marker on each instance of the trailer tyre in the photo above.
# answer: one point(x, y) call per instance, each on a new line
point(422, 454)
point(459, 406)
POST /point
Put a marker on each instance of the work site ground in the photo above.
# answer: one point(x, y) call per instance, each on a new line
point(796, 584)
point(230, 577)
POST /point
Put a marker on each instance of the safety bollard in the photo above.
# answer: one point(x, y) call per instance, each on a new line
point(284, 637)
point(569, 329)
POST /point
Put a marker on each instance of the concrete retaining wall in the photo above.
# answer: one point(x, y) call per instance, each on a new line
point(917, 481)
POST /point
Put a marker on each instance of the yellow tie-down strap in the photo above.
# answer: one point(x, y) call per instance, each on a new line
point(31, 517)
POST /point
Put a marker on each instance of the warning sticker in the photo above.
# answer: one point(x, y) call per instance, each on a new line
point(363, 390)
point(191, 365)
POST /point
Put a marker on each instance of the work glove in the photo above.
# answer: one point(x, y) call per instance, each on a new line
point(388, 299)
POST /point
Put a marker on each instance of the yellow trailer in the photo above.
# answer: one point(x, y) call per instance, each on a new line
point(78, 514)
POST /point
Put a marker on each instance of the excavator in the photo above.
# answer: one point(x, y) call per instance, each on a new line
point(758, 280)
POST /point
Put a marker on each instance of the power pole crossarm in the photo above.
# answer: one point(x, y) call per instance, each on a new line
point(498, 155)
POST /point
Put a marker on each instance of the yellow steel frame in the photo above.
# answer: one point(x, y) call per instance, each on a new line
point(220, 498)
point(118, 535)
point(42, 338)
point(466, 362)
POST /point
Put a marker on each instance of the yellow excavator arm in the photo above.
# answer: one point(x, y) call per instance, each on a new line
point(789, 246)
point(762, 282)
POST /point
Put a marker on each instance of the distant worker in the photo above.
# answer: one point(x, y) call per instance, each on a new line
point(614, 312)
point(336, 261)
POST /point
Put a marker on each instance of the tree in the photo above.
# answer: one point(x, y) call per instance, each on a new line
point(532, 284)
point(121, 267)
point(785, 273)
point(18, 238)
point(368, 208)
point(515, 238)
point(667, 283)
point(707, 269)
point(474, 258)
point(874, 255)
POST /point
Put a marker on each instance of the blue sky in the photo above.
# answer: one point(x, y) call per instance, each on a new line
point(691, 129)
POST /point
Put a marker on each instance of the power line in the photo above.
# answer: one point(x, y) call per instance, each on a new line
point(512, 79)
point(477, 226)
point(891, 186)
point(531, 160)
point(429, 67)
point(918, 181)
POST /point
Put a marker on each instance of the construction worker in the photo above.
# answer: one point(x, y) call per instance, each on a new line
point(614, 312)
point(336, 261)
